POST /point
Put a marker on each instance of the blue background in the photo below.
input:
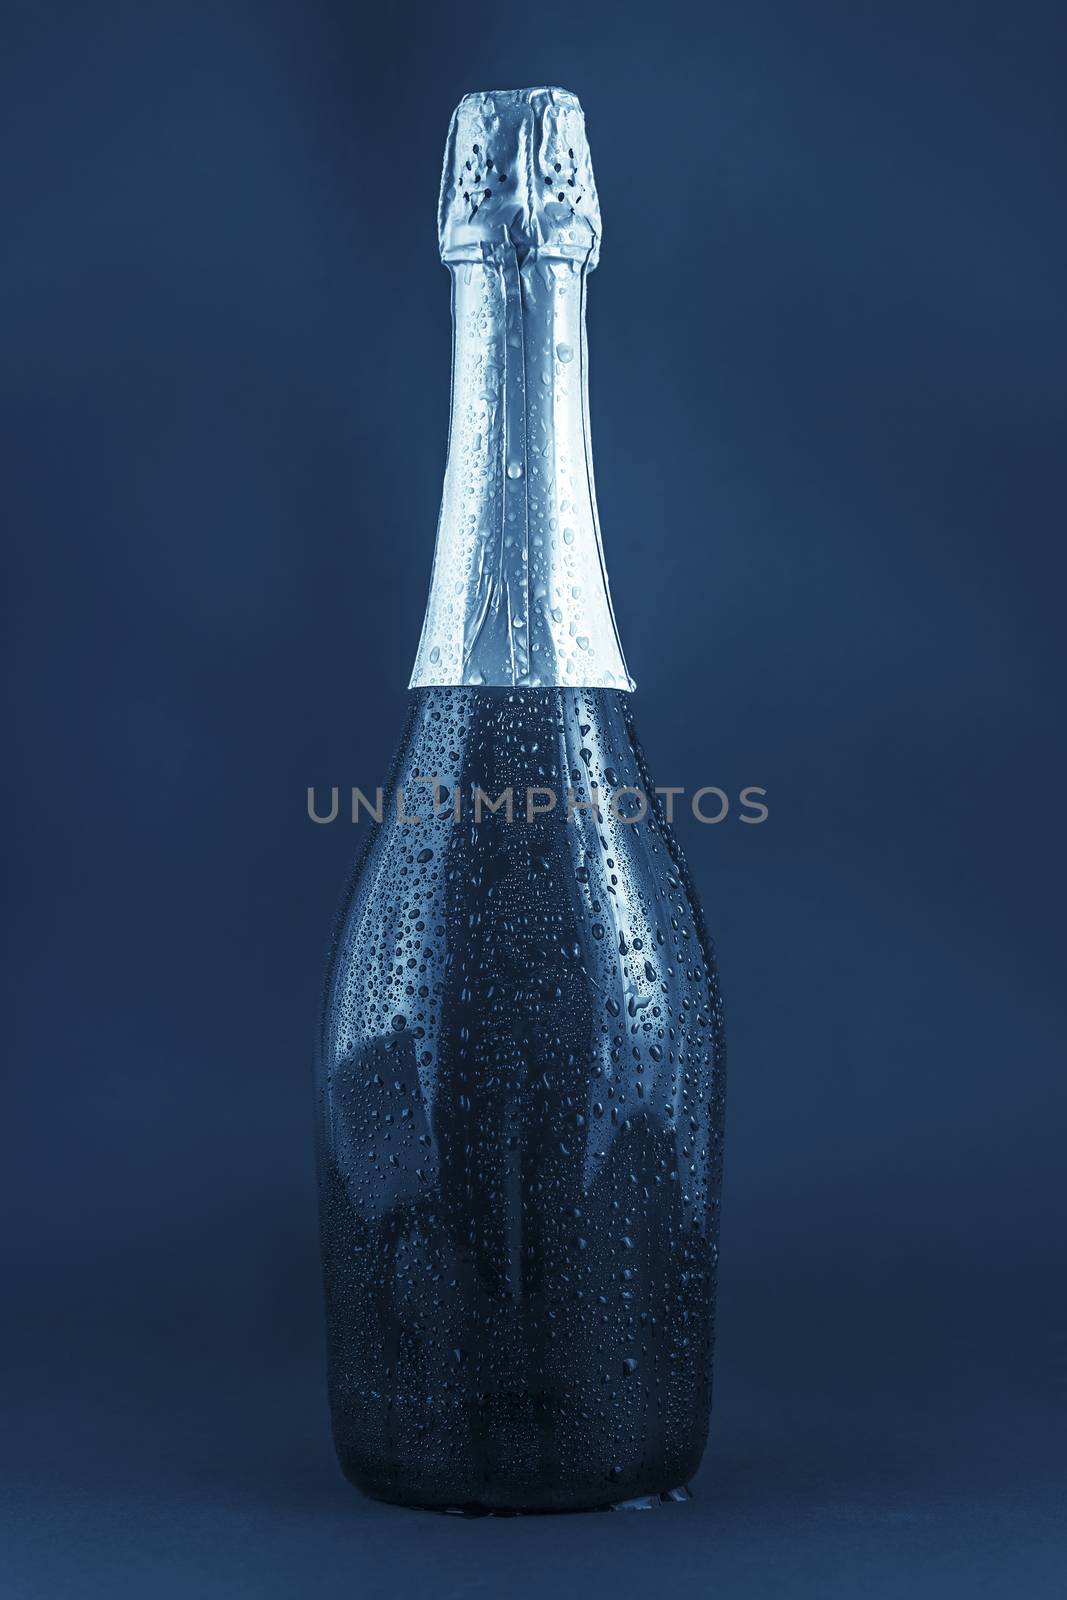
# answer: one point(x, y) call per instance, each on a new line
point(827, 350)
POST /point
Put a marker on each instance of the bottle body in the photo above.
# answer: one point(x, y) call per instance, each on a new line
point(520, 1120)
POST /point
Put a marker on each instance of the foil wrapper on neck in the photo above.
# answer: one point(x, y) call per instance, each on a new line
point(519, 593)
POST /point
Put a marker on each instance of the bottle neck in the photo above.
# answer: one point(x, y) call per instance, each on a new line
point(519, 593)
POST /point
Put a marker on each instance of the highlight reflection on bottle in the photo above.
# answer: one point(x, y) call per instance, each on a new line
point(521, 1071)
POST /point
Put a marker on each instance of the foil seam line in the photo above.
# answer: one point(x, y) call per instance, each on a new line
point(594, 514)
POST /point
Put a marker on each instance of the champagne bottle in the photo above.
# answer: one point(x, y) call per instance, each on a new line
point(521, 1066)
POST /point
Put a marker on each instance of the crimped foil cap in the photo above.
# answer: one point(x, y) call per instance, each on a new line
point(517, 170)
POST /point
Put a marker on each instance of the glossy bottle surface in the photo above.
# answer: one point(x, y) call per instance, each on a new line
point(521, 1097)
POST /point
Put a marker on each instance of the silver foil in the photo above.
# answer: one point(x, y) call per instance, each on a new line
point(517, 167)
point(519, 593)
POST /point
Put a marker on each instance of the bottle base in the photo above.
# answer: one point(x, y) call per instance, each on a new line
point(509, 1502)
point(646, 1502)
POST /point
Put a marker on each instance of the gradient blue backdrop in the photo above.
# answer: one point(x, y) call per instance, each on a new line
point(827, 347)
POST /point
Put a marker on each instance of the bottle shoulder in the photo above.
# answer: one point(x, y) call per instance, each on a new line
point(547, 876)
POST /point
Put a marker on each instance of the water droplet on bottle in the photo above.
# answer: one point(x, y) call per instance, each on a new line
point(564, 353)
point(514, 470)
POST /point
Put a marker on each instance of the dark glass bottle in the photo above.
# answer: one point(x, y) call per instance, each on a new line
point(521, 1077)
